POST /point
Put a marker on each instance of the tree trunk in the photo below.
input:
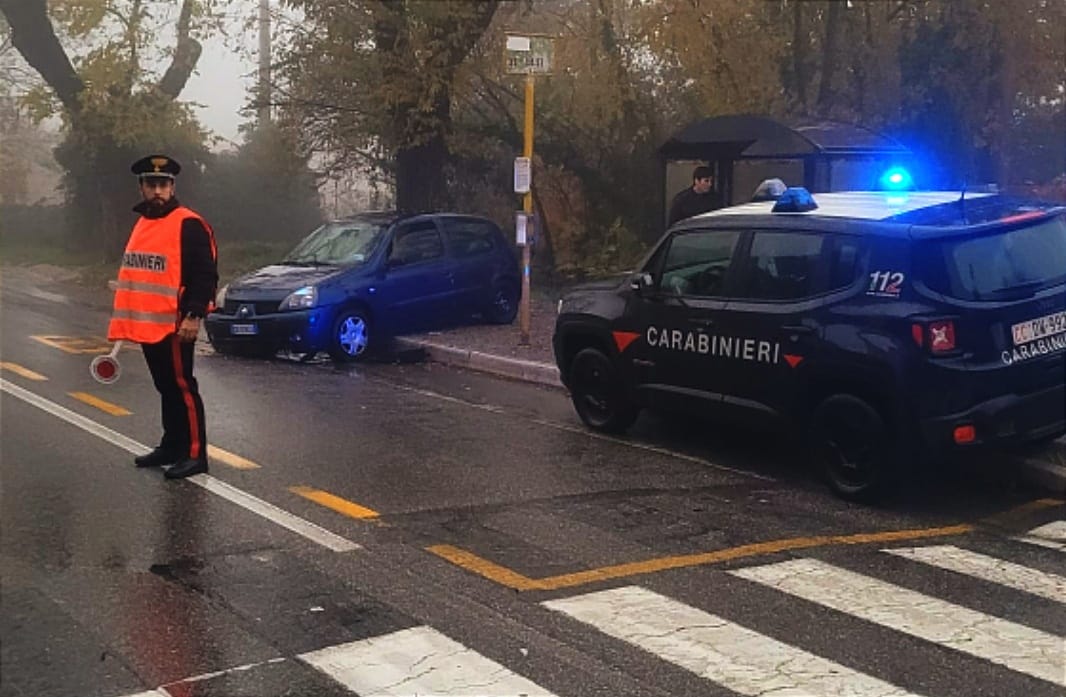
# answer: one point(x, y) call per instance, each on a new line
point(826, 91)
point(34, 38)
point(799, 54)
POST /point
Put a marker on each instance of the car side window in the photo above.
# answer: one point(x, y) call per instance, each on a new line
point(417, 243)
point(470, 238)
point(783, 266)
point(697, 263)
point(843, 262)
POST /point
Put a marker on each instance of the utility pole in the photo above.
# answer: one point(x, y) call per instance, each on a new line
point(264, 62)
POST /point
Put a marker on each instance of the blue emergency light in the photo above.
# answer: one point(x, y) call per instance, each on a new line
point(796, 199)
point(897, 179)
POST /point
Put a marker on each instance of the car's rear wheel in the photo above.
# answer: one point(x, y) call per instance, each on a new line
point(351, 336)
point(598, 397)
point(854, 448)
point(503, 306)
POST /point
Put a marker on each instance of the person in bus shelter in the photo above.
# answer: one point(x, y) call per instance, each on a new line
point(698, 198)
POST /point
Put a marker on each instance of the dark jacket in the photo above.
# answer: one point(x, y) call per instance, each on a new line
point(199, 271)
point(688, 203)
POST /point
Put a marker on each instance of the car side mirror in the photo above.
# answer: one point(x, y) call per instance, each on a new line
point(641, 283)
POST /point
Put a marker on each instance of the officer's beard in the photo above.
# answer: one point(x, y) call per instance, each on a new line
point(156, 204)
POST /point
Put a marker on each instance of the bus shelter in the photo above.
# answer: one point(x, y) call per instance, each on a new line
point(744, 150)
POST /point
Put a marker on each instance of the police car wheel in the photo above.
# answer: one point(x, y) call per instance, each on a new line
point(504, 304)
point(350, 339)
point(598, 398)
point(854, 448)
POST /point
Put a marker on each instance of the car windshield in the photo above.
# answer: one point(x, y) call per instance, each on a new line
point(343, 242)
point(1001, 266)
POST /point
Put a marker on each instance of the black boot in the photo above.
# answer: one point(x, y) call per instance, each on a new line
point(187, 468)
point(156, 458)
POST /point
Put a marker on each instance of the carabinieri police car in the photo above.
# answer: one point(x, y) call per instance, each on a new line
point(884, 327)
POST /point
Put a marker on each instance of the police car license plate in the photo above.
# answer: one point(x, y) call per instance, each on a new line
point(243, 329)
point(1039, 328)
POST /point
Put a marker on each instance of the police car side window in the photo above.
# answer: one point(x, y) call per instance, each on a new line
point(697, 263)
point(783, 266)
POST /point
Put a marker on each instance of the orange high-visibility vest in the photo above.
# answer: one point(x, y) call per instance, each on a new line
point(149, 281)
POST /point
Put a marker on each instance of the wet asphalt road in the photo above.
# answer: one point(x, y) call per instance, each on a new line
point(397, 499)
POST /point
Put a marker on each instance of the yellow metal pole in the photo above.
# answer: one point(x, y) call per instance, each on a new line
point(527, 206)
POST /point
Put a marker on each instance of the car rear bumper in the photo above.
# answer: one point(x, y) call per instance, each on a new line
point(1003, 421)
point(300, 330)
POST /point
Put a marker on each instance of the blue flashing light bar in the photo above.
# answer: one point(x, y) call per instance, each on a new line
point(796, 199)
point(897, 179)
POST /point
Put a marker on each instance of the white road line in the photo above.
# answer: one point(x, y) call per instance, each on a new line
point(728, 654)
point(1052, 535)
point(251, 503)
point(1013, 645)
point(418, 661)
point(1004, 573)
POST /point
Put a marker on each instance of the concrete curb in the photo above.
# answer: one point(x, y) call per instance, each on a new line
point(545, 374)
point(1046, 470)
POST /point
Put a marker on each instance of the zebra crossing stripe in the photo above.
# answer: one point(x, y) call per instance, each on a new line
point(1004, 573)
point(1015, 646)
point(418, 661)
point(735, 657)
point(1052, 535)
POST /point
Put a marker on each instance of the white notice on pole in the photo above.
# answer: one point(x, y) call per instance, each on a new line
point(520, 228)
point(522, 175)
point(517, 43)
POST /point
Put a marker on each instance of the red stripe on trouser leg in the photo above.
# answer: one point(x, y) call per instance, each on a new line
point(186, 395)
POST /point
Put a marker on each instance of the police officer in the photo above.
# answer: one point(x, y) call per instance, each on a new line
point(166, 285)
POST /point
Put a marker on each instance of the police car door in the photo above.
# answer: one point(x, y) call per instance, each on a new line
point(769, 335)
point(680, 319)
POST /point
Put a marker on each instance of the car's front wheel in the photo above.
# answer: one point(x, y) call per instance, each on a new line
point(351, 335)
point(854, 448)
point(598, 396)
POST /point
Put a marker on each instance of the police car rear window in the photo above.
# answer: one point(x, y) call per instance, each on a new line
point(1004, 265)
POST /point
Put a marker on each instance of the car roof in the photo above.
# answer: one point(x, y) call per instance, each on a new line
point(855, 205)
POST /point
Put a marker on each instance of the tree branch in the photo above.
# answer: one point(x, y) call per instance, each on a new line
point(186, 53)
point(35, 38)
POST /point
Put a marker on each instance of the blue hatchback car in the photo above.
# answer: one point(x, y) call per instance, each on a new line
point(352, 281)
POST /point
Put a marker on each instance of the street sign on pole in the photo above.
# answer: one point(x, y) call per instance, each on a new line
point(523, 175)
point(529, 54)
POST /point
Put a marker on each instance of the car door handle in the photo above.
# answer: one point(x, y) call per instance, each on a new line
point(702, 321)
point(797, 329)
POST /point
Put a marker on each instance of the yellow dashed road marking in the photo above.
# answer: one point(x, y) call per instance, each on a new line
point(19, 370)
point(231, 459)
point(336, 503)
point(74, 344)
point(102, 405)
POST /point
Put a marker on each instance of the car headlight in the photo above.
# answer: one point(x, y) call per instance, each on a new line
point(300, 299)
point(220, 297)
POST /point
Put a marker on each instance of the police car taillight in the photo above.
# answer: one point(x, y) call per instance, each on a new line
point(937, 335)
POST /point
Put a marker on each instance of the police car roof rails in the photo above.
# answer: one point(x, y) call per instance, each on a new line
point(796, 199)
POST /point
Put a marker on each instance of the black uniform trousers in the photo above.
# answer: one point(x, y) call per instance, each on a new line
point(184, 431)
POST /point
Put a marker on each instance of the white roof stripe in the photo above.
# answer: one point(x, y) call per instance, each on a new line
point(864, 205)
